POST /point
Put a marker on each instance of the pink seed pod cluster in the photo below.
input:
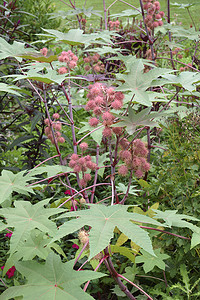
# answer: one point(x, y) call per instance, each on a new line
point(134, 158)
point(44, 51)
point(57, 126)
point(82, 164)
point(114, 25)
point(93, 62)
point(154, 16)
point(70, 59)
point(102, 100)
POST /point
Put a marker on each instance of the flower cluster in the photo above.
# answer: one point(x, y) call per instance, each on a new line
point(57, 126)
point(114, 25)
point(94, 63)
point(70, 59)
point(82, 164)
point(154, 16)
point(44, 51)
point(101, 100)
point(133, 158)
point(11, 272)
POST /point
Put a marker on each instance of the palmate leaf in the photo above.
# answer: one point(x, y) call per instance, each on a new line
point(12, 50)
point(171, 218)
point(24, 217)
point(133, 120)
point(72, 37)
point(138, 82)
point(185, 79)
point(151, 261)
point(103, 220)
point(54, 280)
point(10, 182)
point(77, 37)
point(50, 77)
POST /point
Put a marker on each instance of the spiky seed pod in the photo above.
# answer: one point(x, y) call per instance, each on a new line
point(123, 170)
point(83, 146)
point(74, 156)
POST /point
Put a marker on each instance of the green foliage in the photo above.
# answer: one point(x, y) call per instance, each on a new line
point(44, 121)
point(151, 261)
point(103, 221)
point(52, 280)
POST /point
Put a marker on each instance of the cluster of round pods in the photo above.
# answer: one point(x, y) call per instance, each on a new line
point(94, 63)
point(134, 158)
point(70, 59)
point(114, 25)
point(82, 164)
point(57, 126)
point(101, 100)
point(154, 16)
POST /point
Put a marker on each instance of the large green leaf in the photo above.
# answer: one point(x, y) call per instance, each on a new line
point(185, 79)
point(77, 37)
point(54, 280)
point(133, 120)
point(103, 221)
point(12, 50)
point(50, 77)
point(24, 217)
point(171, 218)
point(72, 37)
point(138, 82)
point(10, 182)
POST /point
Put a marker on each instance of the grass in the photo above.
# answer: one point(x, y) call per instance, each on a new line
point(180, 15)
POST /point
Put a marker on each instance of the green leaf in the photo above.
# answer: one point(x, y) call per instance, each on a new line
point(133, 120)
point(185, 79)
point(24, 217)
point(53, 280)
point(10, 182)
point(185, 277)
point(12, 50)
point(181, 5)
point(122, 188)
point(40, 58)
point(138, 82)
point(20, 140)
point(151, 261)
point(34, 245)
point(72, 37)
point(171, 218)
point(11, 89)
point(195, 240)
point(35, 120)
point(101, 162)
point(126, 13)
point(103, 221)
point(50, 77)
point(123, 251)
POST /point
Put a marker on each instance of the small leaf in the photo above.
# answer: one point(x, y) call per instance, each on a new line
point(151, 261)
